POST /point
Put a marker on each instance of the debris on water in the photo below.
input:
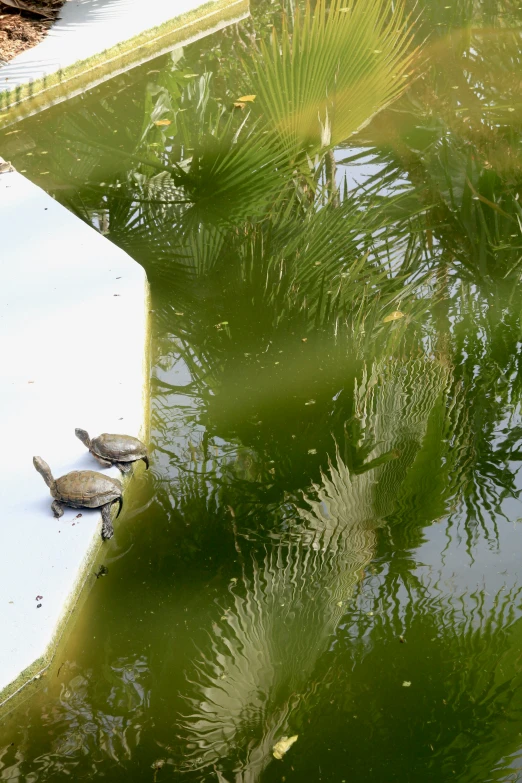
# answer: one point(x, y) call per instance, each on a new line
point(160, 123)
point(38, 598)
point(402, 639)
point(406, 684)
point(310, 402)
point(284, 744)
point(102, 571)
point(312, 451)
point(157, 765)
point(38, 606)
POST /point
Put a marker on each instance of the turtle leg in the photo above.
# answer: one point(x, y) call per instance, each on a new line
point(107, 528)
point(57, 508)
point(146, 461)
point(103, 462)
point(125, 467)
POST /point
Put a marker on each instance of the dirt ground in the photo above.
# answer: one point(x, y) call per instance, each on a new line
point(20, 29)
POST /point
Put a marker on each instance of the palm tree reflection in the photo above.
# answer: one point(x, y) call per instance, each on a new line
point(258, 669)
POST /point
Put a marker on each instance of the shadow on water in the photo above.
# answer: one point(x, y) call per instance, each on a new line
point(326, 201)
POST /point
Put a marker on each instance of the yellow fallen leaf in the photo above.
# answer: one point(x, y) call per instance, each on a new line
point(284, 744)
point(406, 684)
point(163, 122)
point(239, 105)
point(395, 316)
point(247, 98)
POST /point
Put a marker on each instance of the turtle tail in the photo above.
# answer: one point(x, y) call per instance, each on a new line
point(120, 501)
point(146, 461)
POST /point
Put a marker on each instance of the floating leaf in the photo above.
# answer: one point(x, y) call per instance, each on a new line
point(284, 744)
point(247, 98)
point(406, 684)
point(163, 122)
point(395, 316)
point(239, 105)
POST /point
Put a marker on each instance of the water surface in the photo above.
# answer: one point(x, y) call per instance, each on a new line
point(328, 542)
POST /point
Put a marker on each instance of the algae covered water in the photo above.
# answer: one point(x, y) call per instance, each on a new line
point(324, 558)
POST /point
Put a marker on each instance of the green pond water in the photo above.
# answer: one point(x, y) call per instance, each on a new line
point(328, 542)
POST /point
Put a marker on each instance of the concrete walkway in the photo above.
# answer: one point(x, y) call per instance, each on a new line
point(73, 337)
point(97, 33)
point(87, 27)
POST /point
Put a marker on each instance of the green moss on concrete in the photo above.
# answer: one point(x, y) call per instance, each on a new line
point(147, 364)
point(32, 97)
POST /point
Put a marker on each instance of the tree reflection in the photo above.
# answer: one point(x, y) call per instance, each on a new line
point(292, 418)
point(265, 649)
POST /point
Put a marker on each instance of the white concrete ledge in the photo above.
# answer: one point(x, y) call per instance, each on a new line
point(95, 39)
point(73, 345)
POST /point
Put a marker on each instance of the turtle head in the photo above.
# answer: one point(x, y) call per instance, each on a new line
point(84, 437)
point(44, 470)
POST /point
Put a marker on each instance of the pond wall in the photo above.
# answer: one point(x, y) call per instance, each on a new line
point(95, 40)
point(74, 336)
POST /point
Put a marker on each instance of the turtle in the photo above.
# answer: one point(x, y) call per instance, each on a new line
point(118, 450)
point(83, 489)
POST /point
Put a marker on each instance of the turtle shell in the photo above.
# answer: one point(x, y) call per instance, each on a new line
point(86, 488)
point(120, 448)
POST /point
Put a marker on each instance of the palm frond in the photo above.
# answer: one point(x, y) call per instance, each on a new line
point(338, 67)
point(262, 655)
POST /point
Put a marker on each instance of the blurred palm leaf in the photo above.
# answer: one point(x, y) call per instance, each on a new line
point(334, 72)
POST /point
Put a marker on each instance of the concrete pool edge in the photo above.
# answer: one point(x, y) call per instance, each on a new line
point(10, 695)
point(84, 546)
point(36, 95)
point(18, 690)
